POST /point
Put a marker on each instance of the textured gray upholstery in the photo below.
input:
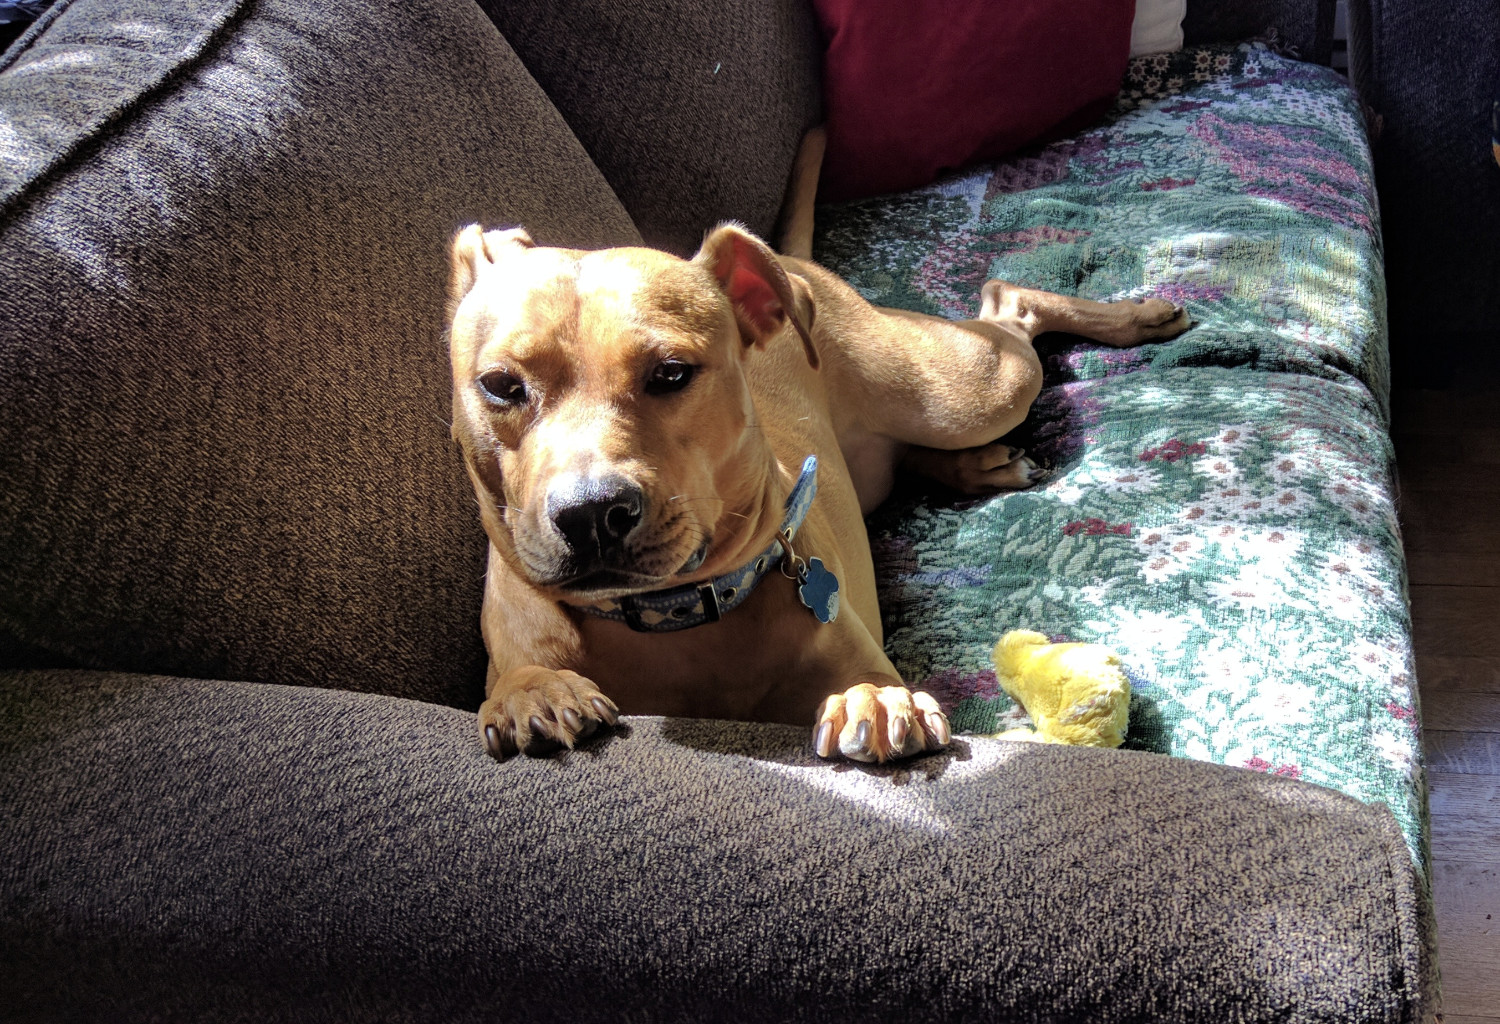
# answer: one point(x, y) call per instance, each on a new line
point(224, 454)
point(1429, 70)
point(311, 855)
point(223, 248)
point(693, 111)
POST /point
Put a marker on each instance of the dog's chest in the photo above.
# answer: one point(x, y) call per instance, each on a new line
point(770, 659)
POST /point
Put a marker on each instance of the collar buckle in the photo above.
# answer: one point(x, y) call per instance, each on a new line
point(710, 595)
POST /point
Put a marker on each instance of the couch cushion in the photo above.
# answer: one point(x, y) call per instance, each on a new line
point(181, 850)
point(1221, 508)
point(693, 111)
point(223, 242)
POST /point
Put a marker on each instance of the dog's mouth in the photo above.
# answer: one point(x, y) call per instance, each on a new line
point(600, 583)
point(603, 583)
point(695, 560)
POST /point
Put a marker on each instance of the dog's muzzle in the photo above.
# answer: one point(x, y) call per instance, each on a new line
point(696, 604)
point(595, 516)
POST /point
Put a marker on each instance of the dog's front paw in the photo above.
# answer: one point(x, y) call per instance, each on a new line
point(880, 723)
point(539, 711)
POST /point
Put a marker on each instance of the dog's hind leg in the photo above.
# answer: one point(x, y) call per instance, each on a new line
point(985, 469)
point(1118, 324)
point(1027, 312)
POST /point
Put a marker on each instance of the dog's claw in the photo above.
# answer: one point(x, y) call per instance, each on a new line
point(544, 739)
point(898, 733)
point(607, 711)
point(572, 720)
point(501, 743)
point(862, 737)
point(938, 729)
point(542, 745)
point(538, 727)
point(825, 743)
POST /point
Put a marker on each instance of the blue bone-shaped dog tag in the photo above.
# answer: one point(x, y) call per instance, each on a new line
point(819, 590)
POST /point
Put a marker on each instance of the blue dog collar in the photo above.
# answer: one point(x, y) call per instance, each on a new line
point(696, 604)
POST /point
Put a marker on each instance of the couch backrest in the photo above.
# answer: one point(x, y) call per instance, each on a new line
point(693, 111)
point(225, 449)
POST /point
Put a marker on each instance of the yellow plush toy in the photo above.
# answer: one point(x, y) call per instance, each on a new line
point(1074, 693)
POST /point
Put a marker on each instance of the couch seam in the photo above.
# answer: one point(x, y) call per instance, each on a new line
point(23, 43)
point(92, 131)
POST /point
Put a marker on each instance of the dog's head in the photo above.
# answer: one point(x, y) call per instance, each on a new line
point(602, 403)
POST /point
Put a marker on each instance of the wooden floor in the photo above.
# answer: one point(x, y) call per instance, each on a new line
point(1448, 458)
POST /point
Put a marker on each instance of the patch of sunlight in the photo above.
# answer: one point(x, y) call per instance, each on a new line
point(11, 143)
point(247, 93)
point(54, 59)
point(253, 89)
point(903, 793)
point(148, 34)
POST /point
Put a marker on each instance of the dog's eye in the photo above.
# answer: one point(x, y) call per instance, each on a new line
point(670, 375)
point(503, 387)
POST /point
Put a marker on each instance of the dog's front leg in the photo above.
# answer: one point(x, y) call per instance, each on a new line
point(880, 723)
point(538, 711)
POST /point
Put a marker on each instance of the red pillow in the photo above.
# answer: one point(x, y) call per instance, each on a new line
point(912, 88)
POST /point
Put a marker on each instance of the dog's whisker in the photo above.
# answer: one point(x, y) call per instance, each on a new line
point(695, 504)
point(726, 512)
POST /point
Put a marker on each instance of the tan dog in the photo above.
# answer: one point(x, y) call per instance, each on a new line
point(635, 423)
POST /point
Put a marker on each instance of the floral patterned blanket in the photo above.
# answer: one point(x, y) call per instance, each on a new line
point(1220, 508)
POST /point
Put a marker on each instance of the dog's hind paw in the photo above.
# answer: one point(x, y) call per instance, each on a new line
point(1146, 320)
point(879, 723)
point(974, 471)
point(539, 711)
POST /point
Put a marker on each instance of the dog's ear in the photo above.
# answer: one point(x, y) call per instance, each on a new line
point(474, 249)
point(758, 289)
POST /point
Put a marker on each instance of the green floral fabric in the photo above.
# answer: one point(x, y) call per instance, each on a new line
point(1220, 507)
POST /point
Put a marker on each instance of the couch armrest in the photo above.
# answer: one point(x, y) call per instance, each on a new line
point(224, 232)
point(180, 850)
point(1304, 27)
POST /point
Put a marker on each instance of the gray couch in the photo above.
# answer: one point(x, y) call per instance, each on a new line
point(1429, 71)
point(240, 573)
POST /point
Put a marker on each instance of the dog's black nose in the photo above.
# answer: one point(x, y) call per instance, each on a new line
point(595, 514)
